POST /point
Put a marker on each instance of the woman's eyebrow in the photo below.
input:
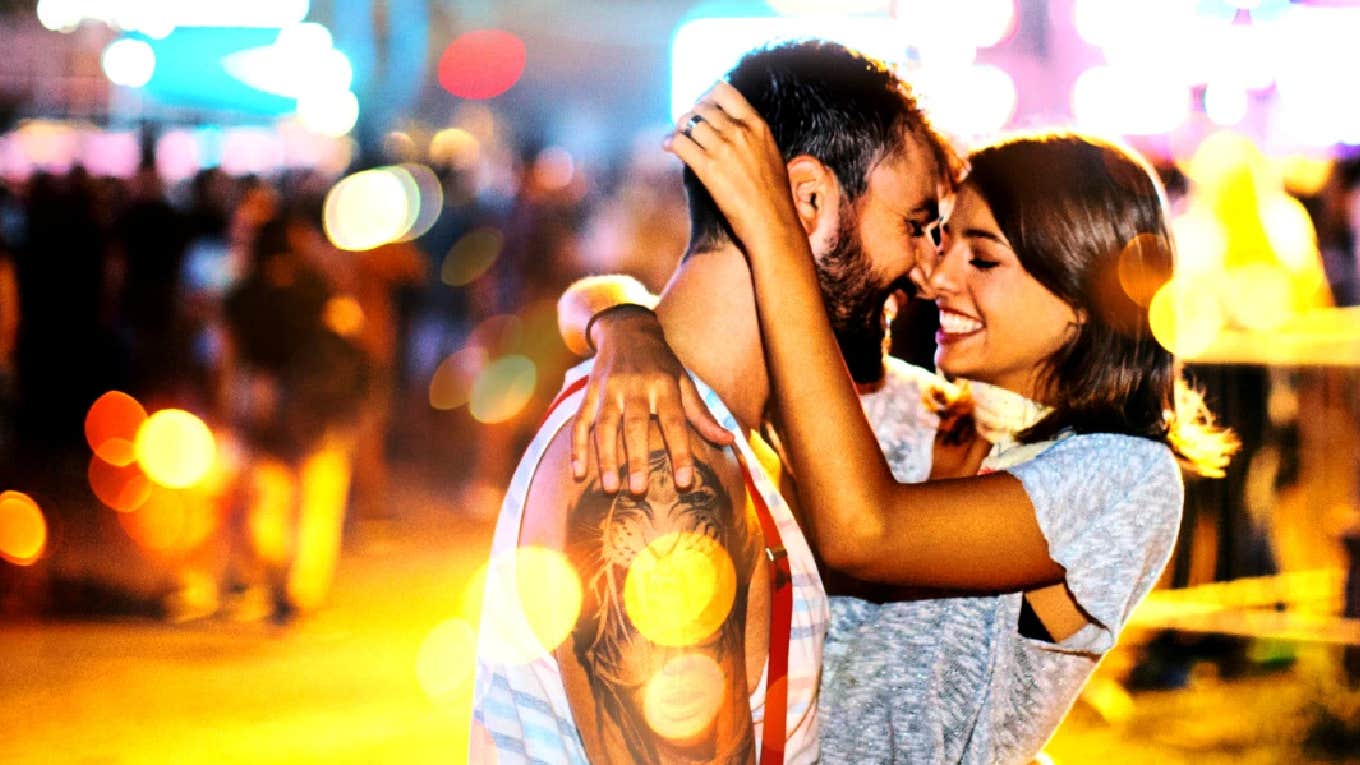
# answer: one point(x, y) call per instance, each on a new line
point(988, 234)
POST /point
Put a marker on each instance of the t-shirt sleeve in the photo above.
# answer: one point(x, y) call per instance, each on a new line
point(1110, 507)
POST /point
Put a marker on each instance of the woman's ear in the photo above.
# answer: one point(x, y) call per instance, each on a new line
point(816, 193)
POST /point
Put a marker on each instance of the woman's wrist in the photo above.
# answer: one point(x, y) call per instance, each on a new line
point(633, 314)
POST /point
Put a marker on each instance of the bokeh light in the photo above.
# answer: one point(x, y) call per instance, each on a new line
point(324, 486)
point(23, 529)
point(1119, 100)
point(471, 256)
point(971, 100)
point(1226, 103)
point(343, 315)
point(1289, 229)
point(170, 521)
point(451, 385)
point(367, 209)
point(681, 700)
point(1258, 296)
point(482, 64)
point(554, 168)
point(445, 662)
point(498, 335)
point(121, 487)
point(456, 148)
point(680, 588)
point(429, 199)
point(330, 113)
point(129, 62)
point(175, 448)
point(1186, 315)
point(269, 520)
point(111, 427)
point(503, 389)
point(1144, 266)
point(531, 603)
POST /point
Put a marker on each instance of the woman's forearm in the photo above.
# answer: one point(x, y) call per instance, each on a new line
point(841, 474)
point(590, 295)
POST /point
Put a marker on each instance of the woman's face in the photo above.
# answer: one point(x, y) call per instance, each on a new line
point(998, 324)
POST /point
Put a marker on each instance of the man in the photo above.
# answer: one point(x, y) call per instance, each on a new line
point(666, 659)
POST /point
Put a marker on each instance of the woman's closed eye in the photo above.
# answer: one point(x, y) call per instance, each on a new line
point(983, 264)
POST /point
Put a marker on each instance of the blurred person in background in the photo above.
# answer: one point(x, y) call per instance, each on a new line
point(363, 309)
point(296, 388)
point(148, 251)
point(64, 353)
point(538, 257)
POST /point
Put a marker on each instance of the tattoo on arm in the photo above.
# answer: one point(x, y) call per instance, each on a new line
point(661, 636)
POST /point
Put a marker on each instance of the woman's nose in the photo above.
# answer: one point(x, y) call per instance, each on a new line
point(945, 276)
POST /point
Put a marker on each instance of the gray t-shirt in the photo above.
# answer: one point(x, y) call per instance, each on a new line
point(950, 679)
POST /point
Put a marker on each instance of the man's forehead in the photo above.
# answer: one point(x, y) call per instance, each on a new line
point(910, 178)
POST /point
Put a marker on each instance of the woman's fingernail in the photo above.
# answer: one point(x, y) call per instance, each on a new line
point(637, 483)
point(611, 482)
point(683, 476)
point(577, 469)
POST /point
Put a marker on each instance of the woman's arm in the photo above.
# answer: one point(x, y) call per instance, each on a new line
point(590, 295)
point(633, 380)
point(976, 533)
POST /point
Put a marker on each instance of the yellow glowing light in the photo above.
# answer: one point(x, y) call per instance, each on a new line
point(429, 199)
point(1222, 159)
point(470, 608)
point(175, 448)
point(1290, 232)
point(122, 487)
point(471, 256)
point(162, 523)
point(456, 148)
point(1144, 265)
point(1258, 296)
point(111, 427)
point(680, 588)
point(682, 699)
point(451, 385)
point(343, 316)
point(503, 389)
point(1201, 242)
point(1186, 316)
point(324, 483)
point(23, 529)
point(498, 335)
point(531, 603)
point(367, 209)
point(446, 659)
point(1303, 175)
point(270, 516)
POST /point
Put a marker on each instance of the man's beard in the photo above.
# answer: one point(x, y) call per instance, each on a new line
point(854, 299)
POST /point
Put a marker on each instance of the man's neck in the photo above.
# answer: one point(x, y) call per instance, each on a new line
point(708, 313)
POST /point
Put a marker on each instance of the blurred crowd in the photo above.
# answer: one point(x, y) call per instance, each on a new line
point(316, 367)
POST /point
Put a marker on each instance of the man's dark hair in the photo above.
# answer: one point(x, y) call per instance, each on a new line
point(825, 101)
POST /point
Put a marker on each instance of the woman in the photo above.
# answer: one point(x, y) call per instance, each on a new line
point(1020, 577)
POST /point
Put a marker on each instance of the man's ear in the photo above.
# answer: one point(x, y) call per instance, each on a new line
point(816, 193)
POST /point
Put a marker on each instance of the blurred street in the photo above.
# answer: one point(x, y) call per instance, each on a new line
point(338, 687)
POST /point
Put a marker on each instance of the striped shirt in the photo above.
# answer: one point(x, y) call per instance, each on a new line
point(520, 711)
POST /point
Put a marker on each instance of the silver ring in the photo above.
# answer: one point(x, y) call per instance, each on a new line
point(694, 120)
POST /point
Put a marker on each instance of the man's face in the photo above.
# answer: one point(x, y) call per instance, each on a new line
point(879, 239)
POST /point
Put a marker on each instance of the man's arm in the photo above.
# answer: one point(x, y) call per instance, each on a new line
point(655, 668)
